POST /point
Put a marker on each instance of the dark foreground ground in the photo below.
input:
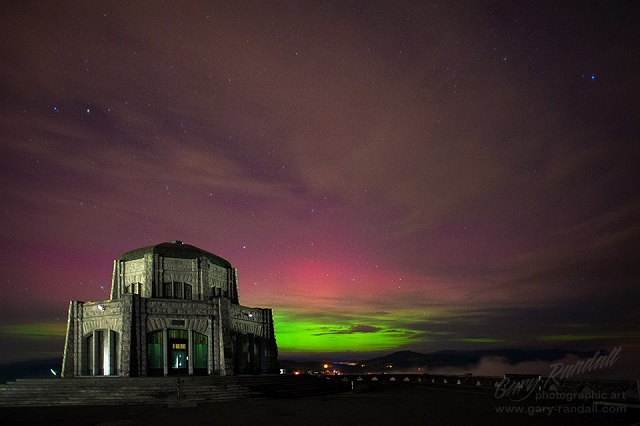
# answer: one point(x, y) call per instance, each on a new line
point(390, 405)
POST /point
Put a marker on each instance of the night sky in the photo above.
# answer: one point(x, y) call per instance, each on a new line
point(385, 175)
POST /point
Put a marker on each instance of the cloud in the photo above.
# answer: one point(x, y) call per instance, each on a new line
point(617, 335)
point(355, 329)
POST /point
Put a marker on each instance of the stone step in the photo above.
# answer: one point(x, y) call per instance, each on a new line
point(159, 390)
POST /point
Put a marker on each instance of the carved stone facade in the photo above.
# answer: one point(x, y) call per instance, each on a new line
point(173, 309)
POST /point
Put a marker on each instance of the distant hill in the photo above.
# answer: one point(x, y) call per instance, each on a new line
point(459, 360)
point(466, 359)
point(33, 369)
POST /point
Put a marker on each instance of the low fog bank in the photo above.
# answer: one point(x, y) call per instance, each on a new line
point(624, 366)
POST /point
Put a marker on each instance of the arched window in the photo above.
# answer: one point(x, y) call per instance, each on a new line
point(154, 351)
point(200, 351)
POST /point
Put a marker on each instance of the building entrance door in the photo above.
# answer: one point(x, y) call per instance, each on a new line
point(178, 347)
point(178, 359)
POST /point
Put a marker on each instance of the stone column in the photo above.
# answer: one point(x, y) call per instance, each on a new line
point(106, 353)
point(69, 357)
point(138, 336)
point(212, 353)
point(96, 351)
point(159, 268)
point(219, 340)
point(115, 281)
point(80, 360)
point(235, 296)
point(165, 351)
point(127, 337)
point(142, 332)
point(252, 353)
point(190, 352)
point(197, 286)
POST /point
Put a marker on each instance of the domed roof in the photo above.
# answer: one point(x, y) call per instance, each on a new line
point(175, 249)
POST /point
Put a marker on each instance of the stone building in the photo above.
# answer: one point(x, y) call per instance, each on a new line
point(173, 309)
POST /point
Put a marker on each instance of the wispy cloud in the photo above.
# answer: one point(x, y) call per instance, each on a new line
point(354, 329)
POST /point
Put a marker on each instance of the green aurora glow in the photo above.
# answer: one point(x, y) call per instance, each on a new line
point(296, 333)
point(44, 330)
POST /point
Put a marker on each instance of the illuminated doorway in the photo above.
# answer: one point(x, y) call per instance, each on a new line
point(102, 353)
point(178, 352)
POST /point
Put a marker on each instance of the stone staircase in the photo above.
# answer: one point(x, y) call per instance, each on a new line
point(158, 390)
point(287, 386)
